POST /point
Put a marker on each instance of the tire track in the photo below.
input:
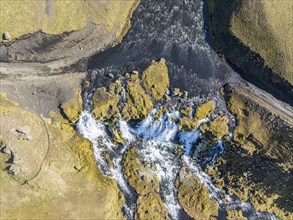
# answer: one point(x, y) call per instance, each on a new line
point(46, 154)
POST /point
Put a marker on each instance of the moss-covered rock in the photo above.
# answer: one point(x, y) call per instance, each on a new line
point(139, 176)
point(145, 182)
point(73, 107)
point(187, 124)
point(160, 113)
point(155, 79)
point(194, 197)
point(203, 111)
point(235, 215)
point(138, 104)
point(106, 103)
point(217, 128)
point(150, 206)
point(186, 111)
point(259, 160)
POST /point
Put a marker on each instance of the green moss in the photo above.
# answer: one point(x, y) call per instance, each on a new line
point(257, 25)
point(106, 103)
point(204, 110)
point(187, 124)
point(186, 111)
point(258, 131)
point(235, 215)
point(150, 206)
point(138, 104)
point(155, 79)
point(139, 176)
point(116, 135)
point(73, 107)
point(217, 128)
point(69, 165)
point(160, 113)
point(194, 197)
point(19, 17)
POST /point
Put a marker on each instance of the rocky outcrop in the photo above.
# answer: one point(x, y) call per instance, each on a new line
point(106, 103)
point(194, 197)
point(203, 111)
point(255, 37)
point(138, 104)
point(156, 79)
point(257, 165)
point(146, 184)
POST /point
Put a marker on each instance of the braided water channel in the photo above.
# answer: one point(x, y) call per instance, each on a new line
point(177, 31)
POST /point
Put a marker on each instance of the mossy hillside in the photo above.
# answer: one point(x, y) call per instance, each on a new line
point(254, 179)
point(258, 131)
point(68, 175)
point(150, 206)
point(259, 160)
point(266, 28)
point(155, 79)
point(139, 176)
point(216, 129)
point(254, 37)
point(194, 197)
point(138, 104)
point(20, 18)
point(106, 103)
point(73, 107)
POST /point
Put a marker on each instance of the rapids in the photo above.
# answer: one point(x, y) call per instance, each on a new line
point(176, 30)
point(159, 140)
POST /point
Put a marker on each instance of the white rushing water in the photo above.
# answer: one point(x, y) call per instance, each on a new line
point(157, 138)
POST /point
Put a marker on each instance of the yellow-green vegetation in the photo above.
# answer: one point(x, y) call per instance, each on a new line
point(73, 107)
point(186, 111)
point(21, 17)
point(160, 113)
point(216, 128)
point(203, 111)
point(139, 176)
point(265, 26)
point(66, 171)
point(106, 103)
point(20, 129)
point(194, 197)
point(151, 207)
point(155, 78)
point(235, 215)
point(138, 104)
point(256, 130)
point(146, 184)
point(240, 175)
point(187, 124)
point(116, 135)
point(259, 160)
